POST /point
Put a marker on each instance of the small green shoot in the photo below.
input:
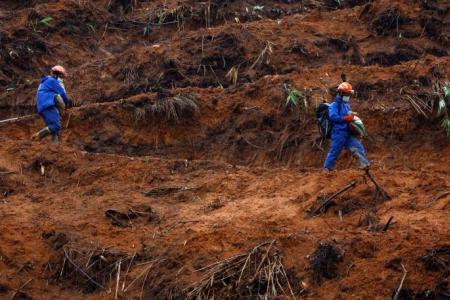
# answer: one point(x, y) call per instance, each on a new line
point(46, 21)
point(35, 24)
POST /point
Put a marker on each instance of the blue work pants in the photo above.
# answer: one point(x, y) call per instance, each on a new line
point(52, 119)
point(341, 140)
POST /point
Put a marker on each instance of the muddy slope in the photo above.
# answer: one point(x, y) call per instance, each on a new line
point(181, 154)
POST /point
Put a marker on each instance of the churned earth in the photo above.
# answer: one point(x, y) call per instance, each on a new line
point(181, 151)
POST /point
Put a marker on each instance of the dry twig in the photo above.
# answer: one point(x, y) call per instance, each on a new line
point(401, 283)
point(381, 194)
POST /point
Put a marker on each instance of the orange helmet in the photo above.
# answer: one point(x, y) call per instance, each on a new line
point(59, 69)
point(345, 87)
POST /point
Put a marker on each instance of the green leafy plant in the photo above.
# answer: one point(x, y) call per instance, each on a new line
point(446, 89)
point(296, 98)
point(443, 91)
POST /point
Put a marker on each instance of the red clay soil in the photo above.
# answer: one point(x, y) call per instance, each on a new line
point(147, 192)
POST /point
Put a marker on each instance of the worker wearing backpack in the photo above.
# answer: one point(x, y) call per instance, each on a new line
point(51, 99)
point(341, 137)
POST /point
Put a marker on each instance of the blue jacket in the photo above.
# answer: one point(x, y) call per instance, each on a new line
point(46, 92)
point(337, 116)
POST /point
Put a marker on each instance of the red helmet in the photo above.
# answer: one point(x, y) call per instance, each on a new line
point(346, 88)
point(59, 69)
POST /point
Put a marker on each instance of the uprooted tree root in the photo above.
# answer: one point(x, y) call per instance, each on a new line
point(324, 262)
point(257, 273)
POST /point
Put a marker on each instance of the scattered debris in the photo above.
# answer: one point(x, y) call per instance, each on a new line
point(170, 227)
point(385, 228)
point(123, 219)
point(21, 295)
point(437, 259)
point(322, 204)
point(439, 196)
point(89, 269)
point(395, 264)
point(257, 273)
point(214, 204)
point(56, 241)
point(371, 220)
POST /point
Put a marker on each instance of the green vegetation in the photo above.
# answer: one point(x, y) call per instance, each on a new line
point(443, 91)
point(296, 98)
point(37, 23)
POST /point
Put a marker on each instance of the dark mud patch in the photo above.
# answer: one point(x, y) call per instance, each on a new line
point(324, 262)
point(401, 53)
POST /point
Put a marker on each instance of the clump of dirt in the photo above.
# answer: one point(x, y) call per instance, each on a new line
point(324, 262)
point(56, 240)
point(4, 288)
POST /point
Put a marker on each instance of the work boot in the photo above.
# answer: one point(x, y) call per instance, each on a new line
point(41, 134)
point(55, 139)
point(360, 163)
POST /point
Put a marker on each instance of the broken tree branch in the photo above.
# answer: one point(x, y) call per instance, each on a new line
point(324, 204)
point(439, 196)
